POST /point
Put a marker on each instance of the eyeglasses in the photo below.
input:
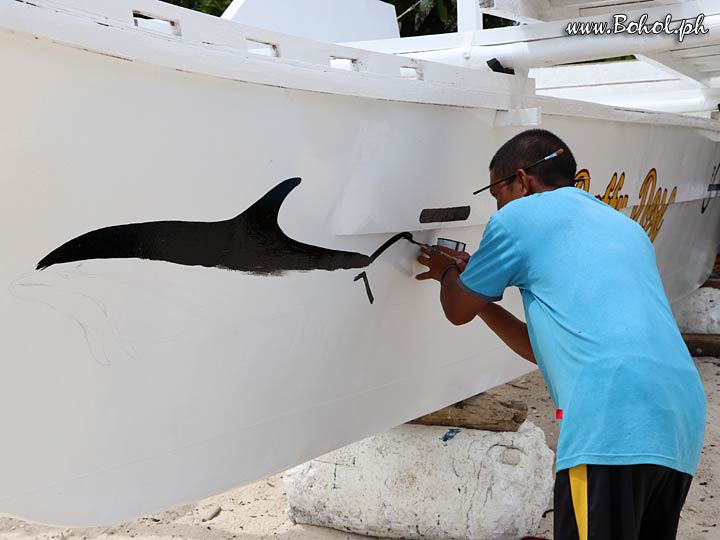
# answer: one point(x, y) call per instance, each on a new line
point(556, 153)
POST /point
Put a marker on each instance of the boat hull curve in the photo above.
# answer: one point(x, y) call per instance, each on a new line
point(134, 384)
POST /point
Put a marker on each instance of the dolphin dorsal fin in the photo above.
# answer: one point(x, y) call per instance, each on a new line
point(267, 208)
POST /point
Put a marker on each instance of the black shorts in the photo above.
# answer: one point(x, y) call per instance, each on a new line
point(619, 502)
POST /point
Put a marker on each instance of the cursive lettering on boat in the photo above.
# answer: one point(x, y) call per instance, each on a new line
point(653, 205)
point(612, 193)
point(582, 180)
point(649, 213)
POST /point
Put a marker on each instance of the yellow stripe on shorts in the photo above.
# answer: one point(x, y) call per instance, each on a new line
point(579, 491)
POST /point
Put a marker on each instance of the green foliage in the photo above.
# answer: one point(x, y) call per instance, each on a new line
point(212, 7)
point(491, 21)
point(619, 58)
point(613, 59)
point(423, 17)
point(442, 10)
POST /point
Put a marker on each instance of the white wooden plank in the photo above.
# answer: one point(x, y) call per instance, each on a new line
point(695, 52)
point(704, 61)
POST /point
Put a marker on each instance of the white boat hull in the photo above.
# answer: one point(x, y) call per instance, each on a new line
point(133, 385)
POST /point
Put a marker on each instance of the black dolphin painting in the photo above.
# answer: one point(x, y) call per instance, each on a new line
point(250, 242)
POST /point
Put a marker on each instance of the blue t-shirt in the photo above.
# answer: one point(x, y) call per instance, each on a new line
point(600, 326)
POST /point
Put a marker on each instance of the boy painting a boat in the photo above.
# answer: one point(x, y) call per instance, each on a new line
point(629, 400)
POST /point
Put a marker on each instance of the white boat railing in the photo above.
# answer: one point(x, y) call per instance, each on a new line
point(169, 22)
point(190, 41)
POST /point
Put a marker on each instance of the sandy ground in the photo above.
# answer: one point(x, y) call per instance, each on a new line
point(257, 511)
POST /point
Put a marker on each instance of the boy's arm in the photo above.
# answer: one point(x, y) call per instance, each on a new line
point(461, 307)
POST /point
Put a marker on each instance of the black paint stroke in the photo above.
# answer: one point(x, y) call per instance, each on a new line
point(713, 187)
point(364, 277)
point(439, 215)
point(250, 242)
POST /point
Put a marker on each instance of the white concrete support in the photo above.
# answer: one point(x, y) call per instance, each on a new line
point(419, 482)
point(699, 313)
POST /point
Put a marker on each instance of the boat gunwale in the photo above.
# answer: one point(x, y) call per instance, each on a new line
point(438, 84)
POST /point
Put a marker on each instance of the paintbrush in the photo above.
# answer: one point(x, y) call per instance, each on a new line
point(456, 260)
point(556, 153)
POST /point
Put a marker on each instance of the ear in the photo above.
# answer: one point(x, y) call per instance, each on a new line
point(524, 181)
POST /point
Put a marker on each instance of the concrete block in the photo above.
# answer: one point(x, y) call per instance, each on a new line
point(428, 482)
point(699, 313)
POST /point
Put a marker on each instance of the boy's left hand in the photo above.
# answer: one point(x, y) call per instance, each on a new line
point(437, 262)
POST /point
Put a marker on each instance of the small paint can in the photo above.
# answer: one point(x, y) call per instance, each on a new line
point(452, 244)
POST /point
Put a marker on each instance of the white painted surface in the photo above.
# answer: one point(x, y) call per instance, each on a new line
point(420, 482)
point(333, 21)
point(695, 60)
point(550, 10)
point(525, 43)
point(559, 48)
point(469, 16)
point(632, 83)
point(138, 385)
point(627, 72)
point(220, 49)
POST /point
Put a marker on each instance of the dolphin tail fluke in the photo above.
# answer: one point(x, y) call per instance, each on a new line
point(54, 257)
point(109, 242)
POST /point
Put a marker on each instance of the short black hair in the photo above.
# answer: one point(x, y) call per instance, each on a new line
point(530, 146)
